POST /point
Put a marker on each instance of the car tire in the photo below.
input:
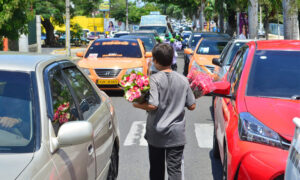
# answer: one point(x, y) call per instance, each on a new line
point(216, 151)
point(114, 165)
point(225, 163)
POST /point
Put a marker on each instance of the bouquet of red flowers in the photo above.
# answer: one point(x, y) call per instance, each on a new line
point(200, 83)
point(136, 86)
point(62, 113)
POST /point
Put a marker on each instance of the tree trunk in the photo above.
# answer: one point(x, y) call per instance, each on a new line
point(50, 38)
point(290, 19)
point(253, 18)
point(202, 16)
point(266, 22)
point(231, 22)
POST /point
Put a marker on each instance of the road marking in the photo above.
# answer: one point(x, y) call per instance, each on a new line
point(204, 135)
point(136, 134)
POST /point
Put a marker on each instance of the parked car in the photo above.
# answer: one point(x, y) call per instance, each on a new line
point(95, 35)
point(107, 60)
point(193, 41)
point(55, 123)
point(206, 50)
point(292, 165)
point(223, 63)
point(255, 103)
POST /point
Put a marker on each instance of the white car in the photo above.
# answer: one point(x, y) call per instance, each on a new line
point(54, 122)
point(292, 171)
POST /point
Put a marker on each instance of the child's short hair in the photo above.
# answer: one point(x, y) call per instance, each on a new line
point(163, 53)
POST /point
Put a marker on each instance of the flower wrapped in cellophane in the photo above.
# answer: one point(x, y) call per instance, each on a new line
point(136, 87)
point(200, 83)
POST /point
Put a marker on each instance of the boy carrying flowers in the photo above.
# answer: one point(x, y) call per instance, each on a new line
point(169, 94)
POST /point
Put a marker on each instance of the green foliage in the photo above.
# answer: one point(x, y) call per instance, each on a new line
point(14, 17)
point(174, 11)
point(118, 11)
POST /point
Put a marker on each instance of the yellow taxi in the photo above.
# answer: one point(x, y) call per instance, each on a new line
point(206, 50)
point(107, 60)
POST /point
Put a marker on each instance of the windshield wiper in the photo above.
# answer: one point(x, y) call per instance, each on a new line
point(296, 97)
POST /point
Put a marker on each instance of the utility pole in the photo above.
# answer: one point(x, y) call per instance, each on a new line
point(38, 34)
point(127, 15)
point(68, 28)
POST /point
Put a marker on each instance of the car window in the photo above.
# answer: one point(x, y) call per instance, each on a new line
point(231, 53)
point(115, 48)
point(87, 98)
point(237, 71)
point(194, 40)
point(64, 107)
point(275, 74)
point(16, 112)
point(208, 47)
point(225, 50)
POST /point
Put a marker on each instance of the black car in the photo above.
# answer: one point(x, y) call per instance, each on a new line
point(149, 41)
point(193, 41)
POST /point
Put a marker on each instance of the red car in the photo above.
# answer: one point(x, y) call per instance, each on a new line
point(257, 100)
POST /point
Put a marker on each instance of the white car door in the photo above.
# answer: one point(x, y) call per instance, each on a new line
point(98, 114)
point(73, 162)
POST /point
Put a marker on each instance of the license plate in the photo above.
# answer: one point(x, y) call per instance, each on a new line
point(107, 81)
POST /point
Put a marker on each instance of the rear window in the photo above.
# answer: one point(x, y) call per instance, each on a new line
point(211, 47)
point(275, 74)
point(108, 49)
point(194, 40)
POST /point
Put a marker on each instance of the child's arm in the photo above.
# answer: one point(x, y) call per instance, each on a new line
point(192, 107)
point(145, 106)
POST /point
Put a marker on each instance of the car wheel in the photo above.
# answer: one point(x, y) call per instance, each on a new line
point(114, 165)
point(216, 151)
point(225, 163)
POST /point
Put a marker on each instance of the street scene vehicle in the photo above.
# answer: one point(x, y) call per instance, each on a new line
point(145, 32)
point(292, 168)
point(159, 23)
point(148, 41)
point(121, 33)
point(255, 103)
point(54, 121)
point(206, 50)
point(193, 41)
point(223, 63)
point(107, 60)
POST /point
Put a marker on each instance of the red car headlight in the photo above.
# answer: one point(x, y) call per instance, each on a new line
point(251, 129)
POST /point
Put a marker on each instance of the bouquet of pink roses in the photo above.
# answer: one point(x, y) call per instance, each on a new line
point(62, 114)
point(136, 86)
point(200, 83)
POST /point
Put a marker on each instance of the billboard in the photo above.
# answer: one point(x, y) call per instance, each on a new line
point(104, 6)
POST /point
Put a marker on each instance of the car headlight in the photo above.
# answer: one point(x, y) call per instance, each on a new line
point(195, 65)
point(251, 129)
point(86, 71)
point(138, 69)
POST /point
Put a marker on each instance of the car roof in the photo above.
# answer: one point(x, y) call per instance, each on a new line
point(115, 39)
point(23, 61)
point(277, 45)
point(135, 37)
point(216, 39)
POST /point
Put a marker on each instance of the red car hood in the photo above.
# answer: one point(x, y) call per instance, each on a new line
point(277, 114)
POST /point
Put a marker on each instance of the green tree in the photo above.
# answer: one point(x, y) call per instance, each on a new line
point(52, 12)
point(14, 17)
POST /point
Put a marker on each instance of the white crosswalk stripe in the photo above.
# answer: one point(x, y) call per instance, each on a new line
point(136, 134)
point(203, 133)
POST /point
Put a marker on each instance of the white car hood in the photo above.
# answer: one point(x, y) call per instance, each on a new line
point(13, 164)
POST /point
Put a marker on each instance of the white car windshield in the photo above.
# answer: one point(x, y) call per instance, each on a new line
point(16, 115)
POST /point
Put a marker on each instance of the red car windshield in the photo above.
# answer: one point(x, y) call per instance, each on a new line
point(275, 74)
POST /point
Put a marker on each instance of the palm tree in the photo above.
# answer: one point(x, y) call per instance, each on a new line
point(290, 19)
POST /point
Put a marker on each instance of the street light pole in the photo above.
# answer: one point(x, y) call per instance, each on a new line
point(127, 15)
point(68, 28)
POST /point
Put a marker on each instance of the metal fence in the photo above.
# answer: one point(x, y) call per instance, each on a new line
point(273, 28)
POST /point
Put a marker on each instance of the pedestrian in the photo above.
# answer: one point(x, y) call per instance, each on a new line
point(243, 34)
point(176, 47)
point(170, 93)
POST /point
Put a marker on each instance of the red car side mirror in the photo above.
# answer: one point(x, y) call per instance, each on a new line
point(222, 88)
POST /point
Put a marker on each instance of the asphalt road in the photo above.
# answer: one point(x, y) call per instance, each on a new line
point(199, 163)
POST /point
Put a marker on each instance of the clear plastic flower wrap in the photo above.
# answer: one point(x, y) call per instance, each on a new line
point(136, 87)
point(200, 83)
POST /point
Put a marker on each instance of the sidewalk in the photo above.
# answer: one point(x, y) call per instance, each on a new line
point(62, 51)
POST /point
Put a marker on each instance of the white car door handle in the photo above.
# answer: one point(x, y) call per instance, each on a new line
point(91, 149)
